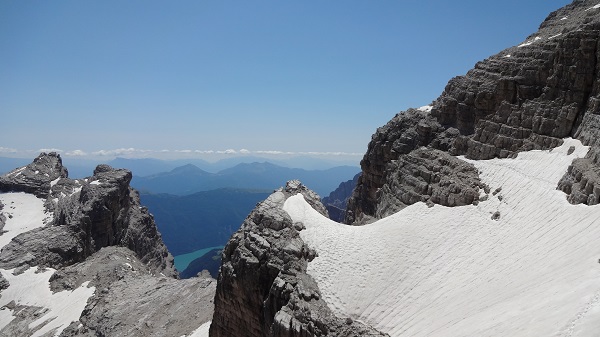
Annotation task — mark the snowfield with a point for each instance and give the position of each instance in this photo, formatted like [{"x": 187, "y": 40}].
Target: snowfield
[
  {"x": 33, "y": 289},
  {"x": 445, "y": 271},
  {"x": 25, "y": 212}
]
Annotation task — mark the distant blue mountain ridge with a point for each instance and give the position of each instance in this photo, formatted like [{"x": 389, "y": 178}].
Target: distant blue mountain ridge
[{"x": 190, "y": 179}]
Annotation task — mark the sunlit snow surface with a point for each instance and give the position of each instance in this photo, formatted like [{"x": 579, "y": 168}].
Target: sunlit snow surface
[
  {"x": 445, "y": 271},
  {"x": 26, "y": 213},
  {"x": 202, "y": 331},
  {"x": 30, "y": 288}
]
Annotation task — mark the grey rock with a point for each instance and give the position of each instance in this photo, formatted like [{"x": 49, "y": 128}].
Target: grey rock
[
  {"x": 36, "y": 177},
  {"x": 2, "y": 218},
  {"x": 581, "y": 183},
  {"x": 4, "y": 284},
  {"x": 53, "y": 246},
  {"x": 131, "y": 300},
  {"x": 523, "y": 98},
  {"x": 99, "y": 211},
  {"x": 100, "y": 233},
  {"x": 24, "y": 315},
  {"x": 263, "y": 288},
  {"x": 428, "y": 175}
]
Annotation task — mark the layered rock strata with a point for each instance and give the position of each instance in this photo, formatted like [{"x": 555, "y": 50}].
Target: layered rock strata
[
  {"x": 99, "y": 211},
  {"x": 526, "y": 97},
  {"x": 98, "y": 240},
  {"x": 35, "y": 178},
  {"x": 263, "y": 288}
]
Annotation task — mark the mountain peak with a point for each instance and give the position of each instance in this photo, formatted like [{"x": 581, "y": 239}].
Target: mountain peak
[{"x": 37, "y": 177}]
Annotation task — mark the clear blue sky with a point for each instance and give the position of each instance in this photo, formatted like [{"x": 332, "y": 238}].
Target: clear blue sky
[{"x": 292, "y": 76}]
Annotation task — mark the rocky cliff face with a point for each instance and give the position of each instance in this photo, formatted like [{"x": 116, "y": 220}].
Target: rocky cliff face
[
  {"x": 95, "y": 237},
  {"x": 526, "y": 97},
  {"x": 89, "y": 214},
  {"x": 337, "y": 201},
  {"x": 263, "y": 288}
]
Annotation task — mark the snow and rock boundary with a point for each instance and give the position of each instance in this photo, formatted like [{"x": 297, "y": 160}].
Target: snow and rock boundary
[
  {"x": 263, "y": 276},
  {"x": 455, "y": 271}
]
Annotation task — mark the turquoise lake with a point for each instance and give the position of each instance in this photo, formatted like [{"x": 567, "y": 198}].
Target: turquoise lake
[{"x": 183, "y": 260}]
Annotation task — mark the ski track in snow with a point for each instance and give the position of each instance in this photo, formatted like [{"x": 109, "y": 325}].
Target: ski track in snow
[
  {"x": 445, "y": 271},
  {"x": 32, "y": 288}
]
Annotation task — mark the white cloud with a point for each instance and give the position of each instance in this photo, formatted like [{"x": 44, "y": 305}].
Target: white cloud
[
  {"x": 228, "y": 151},
  {"x": 244, "y": 151},
  {"x": 272, "y": 152},
  {"x": 76, "y": 153},
  {"x": 49, "y": 150},
  {"x": 117, "y": 152},
  {"x": 7, "y": 150}
]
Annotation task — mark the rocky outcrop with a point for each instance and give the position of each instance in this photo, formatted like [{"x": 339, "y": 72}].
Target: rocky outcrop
[
  {"x": 131, "y": 301},
  {"x": 430, "y": 176},
  {"x": 98, "y": 236},
  {"x": 581, "y": 183},
  {"x": 263, "y": 288},
  {"x": 337, "y": 201},
  {"x": 35, "y": 178},
  {"x": 2, "y": 217},
  {"x": 89, "y": 214},
  {"x": 526, "y": 97}
]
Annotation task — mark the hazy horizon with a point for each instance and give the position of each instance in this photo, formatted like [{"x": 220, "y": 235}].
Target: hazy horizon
[{"x": 211, "y": 80}]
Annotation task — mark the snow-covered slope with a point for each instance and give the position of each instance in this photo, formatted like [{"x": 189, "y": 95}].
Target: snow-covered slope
[
  {"x": 524, "y": 262},
  {"x": 31, "y": 288}
]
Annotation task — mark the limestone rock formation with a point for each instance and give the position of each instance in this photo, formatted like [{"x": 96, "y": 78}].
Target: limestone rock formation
[
  {"x": 100, "y": 241},
  {"x": 35, "y": 178},
  {"x": 127, "y": 291},
  {"x": 526, "y": 97},
  {"x": 263, "y": 288},
  {"x": 89, "y": 214}
]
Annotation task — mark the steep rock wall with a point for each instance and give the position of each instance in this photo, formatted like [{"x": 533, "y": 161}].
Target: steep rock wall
[
  {"x": 99, "y": 211},
  {"x": 526, "y": 97},
  {"x": 263, "y": 288}
]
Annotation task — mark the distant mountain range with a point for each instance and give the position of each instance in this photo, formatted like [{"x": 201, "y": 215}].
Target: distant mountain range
[
  {"x": 189, "y": 178},
  {"x": 80, "y": 168}
]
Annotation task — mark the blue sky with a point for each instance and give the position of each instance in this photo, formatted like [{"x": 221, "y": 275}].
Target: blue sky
[{"x": 134, "y": 78}]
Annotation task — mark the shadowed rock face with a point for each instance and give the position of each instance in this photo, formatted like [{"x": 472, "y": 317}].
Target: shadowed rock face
[
  {"x": 99, "y": 211},
  {"x": 263, "y": 288},
  {"x": 337, "y": 201},
  {"x": 525, "y": 97}
]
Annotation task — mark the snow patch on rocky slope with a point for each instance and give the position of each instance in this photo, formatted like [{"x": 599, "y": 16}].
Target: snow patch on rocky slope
[
  {"x": 524, "y": 262},
  {"x": 25, "y": 212}
]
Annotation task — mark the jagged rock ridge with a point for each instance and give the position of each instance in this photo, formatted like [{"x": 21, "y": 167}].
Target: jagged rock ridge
[
  {"x": 526, "y": 97},
  {"x": 91, "y": 213},
  {"x": 96, "y": 237},
  {"x": 263, "y": 288}
]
